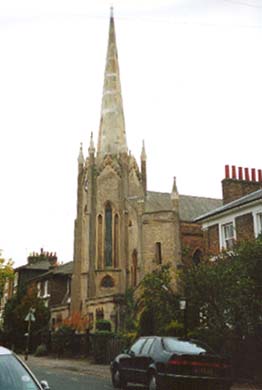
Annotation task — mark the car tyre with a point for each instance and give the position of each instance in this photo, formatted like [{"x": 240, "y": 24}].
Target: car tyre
[
  {"x": 152, "y": 383},
  {"x": 117, "y": 381}
]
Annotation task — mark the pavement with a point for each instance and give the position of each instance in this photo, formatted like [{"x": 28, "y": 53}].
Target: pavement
[{"x": 88, "y": 367}]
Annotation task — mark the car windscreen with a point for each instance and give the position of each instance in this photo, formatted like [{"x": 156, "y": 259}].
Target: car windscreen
[
  {"x": 185, "y": 347},
  {"x": 14, "y": 376}
]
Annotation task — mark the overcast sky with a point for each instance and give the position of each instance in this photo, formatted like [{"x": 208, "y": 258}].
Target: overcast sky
[{"x": 191, "y": 84}]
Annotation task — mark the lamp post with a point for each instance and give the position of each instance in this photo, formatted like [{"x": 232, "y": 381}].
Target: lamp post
[
  {"x": 29, "y": 318},
  {"x": 183, "y": 307}
]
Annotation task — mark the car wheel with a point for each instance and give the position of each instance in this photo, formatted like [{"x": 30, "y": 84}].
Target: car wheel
[
  {"x": 152, "y": 383},
  {"x": 117, "y": 381}
]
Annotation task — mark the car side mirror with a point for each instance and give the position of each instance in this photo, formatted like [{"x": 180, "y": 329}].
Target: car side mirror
[
  {"x": 44, "y": 385},
  {"x": 131, "y": 353}
]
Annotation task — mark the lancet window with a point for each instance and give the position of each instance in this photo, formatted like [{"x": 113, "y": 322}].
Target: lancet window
[
  {"x": 108, "y": 238},
  {"x": 134, "y": 269}
]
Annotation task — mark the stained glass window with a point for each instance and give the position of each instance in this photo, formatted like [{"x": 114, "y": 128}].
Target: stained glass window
[{"x": 108, "y": 236}]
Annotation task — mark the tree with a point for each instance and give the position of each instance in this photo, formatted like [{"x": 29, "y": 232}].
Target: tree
[
  {"x": 157, "y": 304},
  {"x": 15, "y": 312},
  {"x": 227, "y": 292},
  {"x": 6, "y": 272}
]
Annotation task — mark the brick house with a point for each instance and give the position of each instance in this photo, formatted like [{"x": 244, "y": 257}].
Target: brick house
[
  {"x": 37, "y": 264},
  {"x": 240, "y": 217},
  {"x": 54, "y": 287}
]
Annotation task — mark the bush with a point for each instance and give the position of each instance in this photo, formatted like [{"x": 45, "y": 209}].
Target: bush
[
  {"x": 41, "y": 350},
  {"x": 103, "y": 326},
  {"x": 174, "y": 328},
  {"x": 62, "y": 340},
  {"x": 100, "y": 342}
]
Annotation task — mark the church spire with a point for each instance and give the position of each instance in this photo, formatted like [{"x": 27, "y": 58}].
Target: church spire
[{"x": 112, "y": 136}]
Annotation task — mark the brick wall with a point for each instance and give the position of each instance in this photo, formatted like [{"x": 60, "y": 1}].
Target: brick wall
[
  {"x": 239, "y": 182},
  {"x": 58, "y": 288},
  {"x": 234, "y": 189},
  {"x": 245, "y": 227},
  {"x": 211, "y": 240},
  {"x": 191, "y": 240}
]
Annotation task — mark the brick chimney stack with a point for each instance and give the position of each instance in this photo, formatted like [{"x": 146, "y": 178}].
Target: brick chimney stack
[{"x": 239, "y": 182}]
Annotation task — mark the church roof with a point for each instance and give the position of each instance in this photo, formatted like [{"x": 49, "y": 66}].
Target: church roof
[{"x": 190, "y": 207}]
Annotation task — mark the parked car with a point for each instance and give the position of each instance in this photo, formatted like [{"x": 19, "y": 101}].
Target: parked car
[
  {"x": 15, "y": 375},
  {"x": 171, "y": 363}
]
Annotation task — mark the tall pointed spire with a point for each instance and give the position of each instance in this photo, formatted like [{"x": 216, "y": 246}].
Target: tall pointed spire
[{"x": 112, "y": 136}]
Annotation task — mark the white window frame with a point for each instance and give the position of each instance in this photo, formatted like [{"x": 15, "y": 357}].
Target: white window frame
[
  {"x": 38, "y": 287},
  {"x": 46, "y": 289},
  {"x": 258, "y": 223},
  {"x": 223, "y": 239}
]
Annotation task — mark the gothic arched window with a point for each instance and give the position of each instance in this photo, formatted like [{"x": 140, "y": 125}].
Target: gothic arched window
[
  {"x": 99, "y": 241},
  {"x": 108, "y": 235},
  {"x": 116, "y": 241},
  {"x": 134, "y": 269}
]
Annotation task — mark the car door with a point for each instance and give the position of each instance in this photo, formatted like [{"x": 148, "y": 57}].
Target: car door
[
  {"x": 142, "y": 361},
  {"x": 128, "y": 363}
]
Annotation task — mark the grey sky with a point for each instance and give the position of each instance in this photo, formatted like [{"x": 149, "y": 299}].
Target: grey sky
[{"x": 191, "y": 83}]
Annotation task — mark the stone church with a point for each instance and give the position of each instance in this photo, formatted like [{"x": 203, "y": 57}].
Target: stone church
[{"x": 122, "y": 230}]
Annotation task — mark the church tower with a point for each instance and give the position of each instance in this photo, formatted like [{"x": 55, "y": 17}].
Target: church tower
[
  {"x": 109, "y": 180},
  {"x": 123, "y": 231}
]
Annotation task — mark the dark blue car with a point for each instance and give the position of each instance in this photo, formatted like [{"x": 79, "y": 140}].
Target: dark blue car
[{"x": 168, "y": 363}]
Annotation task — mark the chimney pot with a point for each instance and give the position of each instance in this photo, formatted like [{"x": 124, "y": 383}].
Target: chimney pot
[
  {"x": 234, "y": 175},
  {"x": 253, "y": 174},
  {"x": 247, "y": 174},
  {"x": 240, "y": 173},
  {"x": 227, "y": 175},
  {"x": 259, "y": 173}
]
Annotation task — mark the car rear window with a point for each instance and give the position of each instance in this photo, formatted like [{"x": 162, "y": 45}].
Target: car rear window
[
  {"x": 14, "y": 376},
  {"x": 185, "y": 347}
]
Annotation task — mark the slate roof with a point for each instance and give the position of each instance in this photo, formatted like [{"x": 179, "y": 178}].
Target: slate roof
[
  {"x": 38, "y": 265},
  {"x": 244, "y": 200},
  {"x": 190, "y": 207},
  {"x": 63, "y": 269}
]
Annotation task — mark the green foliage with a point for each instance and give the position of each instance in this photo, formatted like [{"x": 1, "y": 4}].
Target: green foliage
[
  {"x": 103, "y": 326},
  {"x": 62, "y": 340},
  {"x": 228, "y": 291},
  {"x": 128, "y": 313},
  {"x": 6, "y": 272},
  {"x": 174, "y": 328},
  {"x": 99, "y": 341},
  {"x": 157, "y": 304},
  {"x": 15, "y": 312}
]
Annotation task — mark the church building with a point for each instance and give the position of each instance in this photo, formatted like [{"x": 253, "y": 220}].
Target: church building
[{"x": 122, "y": 230}]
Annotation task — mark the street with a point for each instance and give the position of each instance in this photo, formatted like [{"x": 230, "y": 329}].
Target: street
[
  {"x": 68, "y": 380},
  {"x": 73, "y": 374},
  {"x": 64, "y": 379}
]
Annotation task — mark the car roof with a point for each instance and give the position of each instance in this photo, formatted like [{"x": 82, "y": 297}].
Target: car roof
[{"x": 5, "y": 351}]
